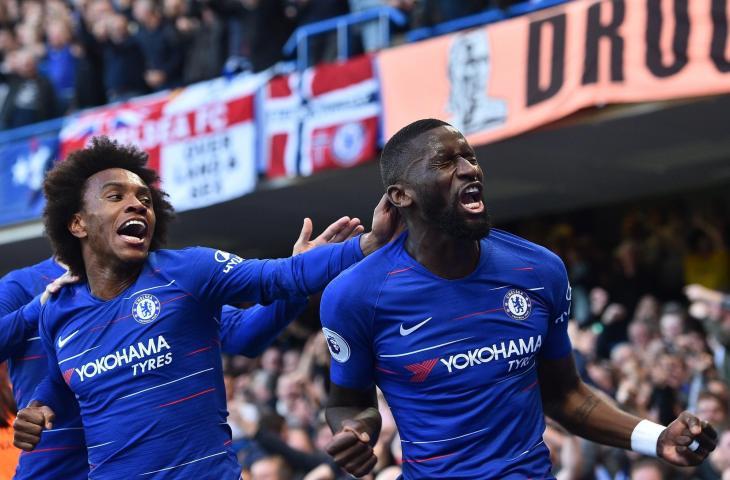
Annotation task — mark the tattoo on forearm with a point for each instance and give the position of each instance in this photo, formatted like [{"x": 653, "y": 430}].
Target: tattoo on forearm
[{"x": 585, "y": 409}]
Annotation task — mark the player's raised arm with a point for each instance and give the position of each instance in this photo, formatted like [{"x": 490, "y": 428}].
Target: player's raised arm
[
  {"x": 343, "y": 229},
  {"x": 686, "y": 441},
  {"x": 250, "y": 331},
  {"x": 225, "y": 278},
  {"x": 15, "y": 326},
  {"x": 590, "y": 414},
  {"x": 18, "y": 317},
  {"x": 52, "y": 394}
]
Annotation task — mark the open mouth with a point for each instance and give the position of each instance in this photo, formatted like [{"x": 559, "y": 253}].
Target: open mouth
[
  {"x": 133, "y": 231},
  {"x": 471, "y": 198}
]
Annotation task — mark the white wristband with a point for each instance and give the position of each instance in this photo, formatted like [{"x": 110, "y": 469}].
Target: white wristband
[{"x": 645, "y": 437}]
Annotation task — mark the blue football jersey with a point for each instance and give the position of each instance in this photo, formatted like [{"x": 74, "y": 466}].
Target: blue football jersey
[
  {"x": 250, "y": 331},
  {"x": 61, "y": 452},
  {"x": 145, "y": 367},
  {"x": 455, "y": 359}
]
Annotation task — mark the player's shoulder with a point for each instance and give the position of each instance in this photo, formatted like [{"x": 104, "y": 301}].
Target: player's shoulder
[
  {"x": 61, "y": 306},
  {"x": 168, "y": 254},
  {"x": 47, "y": 269},
  {"x": 185, "y": 257},
  {"x": 363, "y": 279},
  {"x": 530, "y": 252},
  {"x": 373, "y": 268}
]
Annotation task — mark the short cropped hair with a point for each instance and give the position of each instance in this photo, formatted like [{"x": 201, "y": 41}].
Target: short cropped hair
[
  {"x": 65, "y": 185},
  {"x": 707, "y": 395},
  {"x": 397, "y": 153}
]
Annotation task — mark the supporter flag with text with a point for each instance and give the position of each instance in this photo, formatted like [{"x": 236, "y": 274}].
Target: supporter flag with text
[{"x": 201, "y": 138}]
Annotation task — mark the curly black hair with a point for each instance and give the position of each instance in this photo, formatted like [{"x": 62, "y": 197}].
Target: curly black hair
[{"x": 64, "y": 188}]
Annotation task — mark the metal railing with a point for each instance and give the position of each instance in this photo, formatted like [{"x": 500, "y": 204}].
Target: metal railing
[{"x": 384, "y": 16}]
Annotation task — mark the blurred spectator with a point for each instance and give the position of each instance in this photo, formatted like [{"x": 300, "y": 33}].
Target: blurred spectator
[
  {"x": 706, "y": 259},
  {"x": 8, "y": 42},
  {"x": 202, "y": 38},
  {"x": 648, "y": 469},
  {"x": 270, "y": 29},
  {"x": 717, "y": 465},
  {"x": 370, "y": 32},
  {"x": 322, "y": 47},
  {"x": 123, "y": 59},
  {"x": 238, "y": 17},
  {"x": 713, "y": 307},
  {"x": 270, "y": 467},
  {"x": 390, "y": 473},
  {"x": 60, "y": 62},
  {"x": 160, "y": 45},
  {"x": 714, "y": 409},
  {"x": 91, "y": 24},
  {"x": 433, "y": 12},
  {"x": 30, "y": 96}
]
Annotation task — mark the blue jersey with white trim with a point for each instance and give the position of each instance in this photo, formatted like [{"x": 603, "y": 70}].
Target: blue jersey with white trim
[
  {"x": 61, "y": 452},
  {"x": 145, "y": 366},
  {"x": 455, "y": 359}
]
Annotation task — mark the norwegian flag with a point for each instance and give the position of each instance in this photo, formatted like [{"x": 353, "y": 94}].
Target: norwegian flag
[
  {"x": 340, "y": 129},
  {"x": 326, "y": 118},
  {"x": 282, "y": 109}
]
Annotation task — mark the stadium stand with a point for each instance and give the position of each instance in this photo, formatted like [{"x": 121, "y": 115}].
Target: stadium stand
[{"x": 639, "y": 190}]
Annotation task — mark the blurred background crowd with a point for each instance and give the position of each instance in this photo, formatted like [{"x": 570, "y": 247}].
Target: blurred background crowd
[{"x": 58, "y": 56}]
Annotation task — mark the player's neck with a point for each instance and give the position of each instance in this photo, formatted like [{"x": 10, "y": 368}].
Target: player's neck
[
  {"x": 442, "y": 254},
  {"x": 108, "y": 279}
]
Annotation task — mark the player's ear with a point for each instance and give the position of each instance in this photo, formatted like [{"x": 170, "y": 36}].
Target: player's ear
[
  {"x": 77, "y": 226},
  {"x": 399, "y": 195}
]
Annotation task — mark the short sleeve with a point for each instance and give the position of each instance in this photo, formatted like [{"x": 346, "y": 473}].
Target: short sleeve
[
  {"x": 12, "y": 294},
  {"x": 347, "y": 327},
  {"x": 557, "y": 343},
  {"x": 250, "y": 331}
]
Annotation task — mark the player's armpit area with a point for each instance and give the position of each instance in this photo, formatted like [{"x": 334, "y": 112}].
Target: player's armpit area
[
  {"x": 352, "y": 404},
  {"x": 581, "y": 409}
]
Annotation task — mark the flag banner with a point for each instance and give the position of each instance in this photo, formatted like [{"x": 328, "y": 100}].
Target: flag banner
[
  {"x": 325, "y": 118},
  {"x": 509, "y": 77},
  {"x": 23, "y": 164},
  {"x": 201, "y": 138}
]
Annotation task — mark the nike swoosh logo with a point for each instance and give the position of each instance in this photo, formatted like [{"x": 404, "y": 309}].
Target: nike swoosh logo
[
  {"x": 408, "y": 331},
  {"x": 64, "y": 341}
]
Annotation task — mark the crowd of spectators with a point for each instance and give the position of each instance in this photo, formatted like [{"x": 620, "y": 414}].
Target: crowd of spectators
[
  {"x": 650, "y": 330},
  {"x": 57, "y": 56}
]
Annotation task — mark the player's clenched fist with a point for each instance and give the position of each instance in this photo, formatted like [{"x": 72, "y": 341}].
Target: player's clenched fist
[
  {"x": 350, "y": 448},
  {"x": 29, "y": 424},
  {"x": 687, "y": 440}
]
